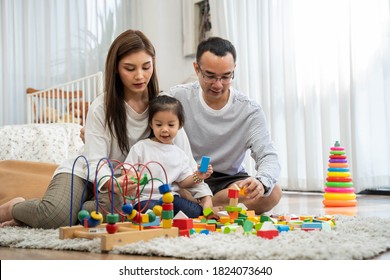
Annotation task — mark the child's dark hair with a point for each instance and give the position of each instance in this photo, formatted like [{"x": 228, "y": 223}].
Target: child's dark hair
[{"x": 166, "y": 103}]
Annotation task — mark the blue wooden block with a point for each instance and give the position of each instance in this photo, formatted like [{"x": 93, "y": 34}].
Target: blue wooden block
[{"x": 204, "y": 164}]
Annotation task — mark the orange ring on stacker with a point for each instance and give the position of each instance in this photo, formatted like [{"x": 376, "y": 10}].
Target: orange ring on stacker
[
  {"x": 339, "y": 190},
  {"x": 338, "y": 165},
  {"x": 339, "y": 203},
  {"x": 340, "y": 196}
]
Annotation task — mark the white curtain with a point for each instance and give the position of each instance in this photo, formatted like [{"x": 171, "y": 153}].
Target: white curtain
[
  {"x": 321, "y": 71},
  {"x": 48, "y": 42}
]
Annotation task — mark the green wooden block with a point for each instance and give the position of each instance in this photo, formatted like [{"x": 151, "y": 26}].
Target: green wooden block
[
  {"x": 208, "y": 211},
  {"x": 248, "y": 226}
]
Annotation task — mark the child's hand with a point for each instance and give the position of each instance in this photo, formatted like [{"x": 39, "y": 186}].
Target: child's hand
[
  {"x": 207, "y": 174},
  {"x": 128, "y": 184}
]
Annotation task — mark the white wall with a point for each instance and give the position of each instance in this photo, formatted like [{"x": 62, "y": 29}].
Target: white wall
[{"x": 161, "y": 21}]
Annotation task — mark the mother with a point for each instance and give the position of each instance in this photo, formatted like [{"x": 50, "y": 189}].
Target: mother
[{"x": 116, "y": 120}]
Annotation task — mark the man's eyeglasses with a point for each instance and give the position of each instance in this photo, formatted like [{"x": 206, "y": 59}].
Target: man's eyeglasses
[{"x": 211, "y": 79}]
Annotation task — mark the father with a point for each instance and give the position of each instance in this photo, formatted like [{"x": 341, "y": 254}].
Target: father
[{"x": 222, "y": 123}]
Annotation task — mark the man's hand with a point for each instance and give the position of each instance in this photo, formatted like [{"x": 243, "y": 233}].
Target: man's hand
[{"x": 253, "y": 187}]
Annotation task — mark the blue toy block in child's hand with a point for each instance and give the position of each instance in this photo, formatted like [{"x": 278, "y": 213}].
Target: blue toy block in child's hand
[{"x": 204, "y": 164}]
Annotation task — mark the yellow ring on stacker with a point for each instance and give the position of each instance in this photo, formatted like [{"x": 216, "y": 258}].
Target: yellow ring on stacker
[
  {"x": 339, "y": 174},
  {"x": 340, "y": 196}
]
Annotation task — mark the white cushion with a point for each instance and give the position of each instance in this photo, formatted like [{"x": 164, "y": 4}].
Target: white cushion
[{"x": 51, "y": 143}]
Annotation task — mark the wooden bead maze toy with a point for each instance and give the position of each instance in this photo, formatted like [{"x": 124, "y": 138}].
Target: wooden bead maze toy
[{"x": 135, "y": 225}]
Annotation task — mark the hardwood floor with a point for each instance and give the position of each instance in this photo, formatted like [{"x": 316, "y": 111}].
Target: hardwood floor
[{"x": 369, "y": 205}]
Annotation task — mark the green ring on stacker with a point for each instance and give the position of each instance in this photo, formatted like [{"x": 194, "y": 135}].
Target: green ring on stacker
[
  {"x": 339, "y": 184},
  {"x": 337, "y": 152}
]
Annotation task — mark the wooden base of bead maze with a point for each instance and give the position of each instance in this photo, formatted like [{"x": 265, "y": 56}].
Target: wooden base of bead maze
[{"x": 127, "y": 233}]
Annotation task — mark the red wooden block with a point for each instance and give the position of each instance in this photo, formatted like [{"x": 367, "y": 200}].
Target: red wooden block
[
  {"x": 232, "y": 193},
  {"x": 268, "y": 234},
  {"x": 183, "y": 223},
  {"x": 167, "y": 206}
]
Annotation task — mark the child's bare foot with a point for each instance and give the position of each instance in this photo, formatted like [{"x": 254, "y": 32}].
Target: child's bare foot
[{"x": 6, "y": 210}]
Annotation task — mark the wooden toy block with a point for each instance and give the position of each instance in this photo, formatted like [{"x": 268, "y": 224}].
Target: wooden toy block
[
  {"x": 229, "y": 229},
  {"x": 233, "y": 209},
  {"x": 180, "y": 215},
  {"x": 199, "y": 225},
  {"x": 224, "y": 219},
  {"x": 211, "y": 227},
  {"x": 250, "y": 213},
  {"x": 233, "y": 193},
  {"x": 310, "y": 225},
  {"x": 306, "y": 218},
  {"x": 264, "y": 218},
  {"x": 233, "y": 201},
  {"x": 167, "y": 214},
  {"x": 184, "y": 232},
  {"x": 233, "y": 215},
  {"x": 156, "y": 222},
  {"x": 123, "y": 238},
  {"x": 167, "y": 223},
  {"x": 268, "y": 234},
  {"x": 248, "y": 225},
  {"x": 204, "y": 164},
  {"x": 282, "y": 228},
  {"x": 208, "y": 212},
  {"x": 145, "y": 218},
  {"x": 254, "y": 219},
  {"x": 167, "y": 206},
  {"x": 127, "y": 233},
  {"x": 183, "y": 223},
  {"x": 212, "y": 222},
  {"x": 243, "y": 192}
]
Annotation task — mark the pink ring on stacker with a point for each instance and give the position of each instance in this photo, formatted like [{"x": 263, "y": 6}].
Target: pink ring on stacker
[{"x": 339, "y": 190}]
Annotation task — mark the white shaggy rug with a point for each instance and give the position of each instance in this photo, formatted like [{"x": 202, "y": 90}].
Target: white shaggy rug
[{"x": 353, "y": 238}]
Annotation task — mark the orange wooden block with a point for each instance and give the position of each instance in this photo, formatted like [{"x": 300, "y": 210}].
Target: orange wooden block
[
  {"x": 233, "y": 215},
  {"x": 199, "y": 225},
  {"x": 224, "y": 219}
]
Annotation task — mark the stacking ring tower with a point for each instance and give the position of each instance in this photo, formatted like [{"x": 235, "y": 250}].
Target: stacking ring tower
[{"x": 339, "y": 191}]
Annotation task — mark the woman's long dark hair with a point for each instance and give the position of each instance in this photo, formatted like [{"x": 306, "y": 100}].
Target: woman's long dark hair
[{"x": 130, "y": 41}]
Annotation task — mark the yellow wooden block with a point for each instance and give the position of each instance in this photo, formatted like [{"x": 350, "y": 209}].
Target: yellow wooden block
[
  {"x": 253, "y": 219},
  {"x": 145, "y": 218},
  {"x": 167, "y": 223},
  {"x": 224, "y": 219},
  {"x": 242, "y": 192}
]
